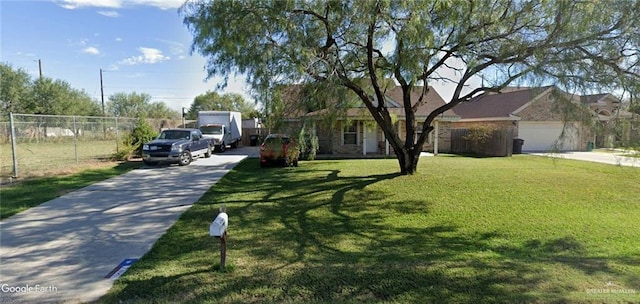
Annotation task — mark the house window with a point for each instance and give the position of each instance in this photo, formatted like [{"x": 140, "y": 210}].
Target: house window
[{"x": 350, "y": 134}]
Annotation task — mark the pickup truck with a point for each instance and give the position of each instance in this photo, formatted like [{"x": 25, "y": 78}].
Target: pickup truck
[{"x": 179, "y": 146}]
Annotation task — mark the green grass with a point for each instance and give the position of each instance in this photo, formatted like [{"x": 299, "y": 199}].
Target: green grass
[
  {"x": 462, "y": 230},
  {"x": 32, "y": 192},
  {"x": 50, "y": 158}
]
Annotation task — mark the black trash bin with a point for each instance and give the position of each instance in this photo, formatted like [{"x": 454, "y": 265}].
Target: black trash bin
[
  {"x": 253, "y": 139},
  {"x": 517, "y": 145}
]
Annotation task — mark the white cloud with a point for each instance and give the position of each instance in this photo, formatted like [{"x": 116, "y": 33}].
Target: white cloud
[
  {"x": 26, "y": 54},
  {"x": 176, "y": 48},
  {"x": 112, "y": 14},
  {"x": 149, "y": 56},
  {"x": 91, "y": 50},
  {"x": 118, "y": 39},
  {"x": 161, "y": 4},
  {"x": 73, "y": 4},
  {"x": 112, "y": 67}
]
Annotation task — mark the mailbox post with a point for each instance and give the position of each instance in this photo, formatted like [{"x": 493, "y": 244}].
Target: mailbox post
[{"x": 218, "y": 229}]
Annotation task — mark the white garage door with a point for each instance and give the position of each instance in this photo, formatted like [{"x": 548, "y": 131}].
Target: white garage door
[{"x": 545, "y": 136}]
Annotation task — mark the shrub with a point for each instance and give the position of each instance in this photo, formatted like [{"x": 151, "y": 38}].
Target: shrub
[
  {"x": 479, "y": 134},
  {"x": 308, "y": 145},
  {"x": 131, "y": 144},
  {"x": 293, "y": 154}
]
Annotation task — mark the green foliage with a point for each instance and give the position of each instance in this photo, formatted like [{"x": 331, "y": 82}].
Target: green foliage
[
  {"x": 307, "y": 145},
  {"x": 160, "y": 110},
  {"x": 359, "y": 45},
  {"x": 478, "y": 135},
  {"x": 132, "y": 142},
  {"x": 635, "y": 107},
  {"x": 293, "y": 154},
  {"x": 137, "y": 105},
  {"x": 19, "y": 93},
  {"x": 15, "y": 86},
  {"x": 212, "y": 101},
  {"x": 56, "y": 97},
  {"x": 141, "y": 134},
  {"x": 128, "y": 105}
]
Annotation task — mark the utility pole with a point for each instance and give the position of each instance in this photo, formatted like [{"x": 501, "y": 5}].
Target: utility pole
[
  {"x": 40, "y": 68},
  {"x": 184, "y": 113},
  {"x": 102, "y": 93}
]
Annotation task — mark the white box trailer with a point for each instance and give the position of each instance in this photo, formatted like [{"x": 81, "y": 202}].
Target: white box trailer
[{"x": 223, "y": 126}]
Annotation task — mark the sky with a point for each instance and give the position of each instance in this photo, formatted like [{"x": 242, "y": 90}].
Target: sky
[{"x": 141, "y": 46}]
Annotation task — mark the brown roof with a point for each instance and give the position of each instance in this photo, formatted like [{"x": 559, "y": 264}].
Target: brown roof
[
  {"x": 497, "y": 105},
  {"x": 592, "y": 98},
  {"x": 431, "y": 101}
]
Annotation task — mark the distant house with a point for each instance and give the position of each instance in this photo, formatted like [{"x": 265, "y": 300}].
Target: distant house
[
  {"x": 608, "y": 112},
  {"x": 545, "y": 117},
  {"x": 356, "y": 132}
]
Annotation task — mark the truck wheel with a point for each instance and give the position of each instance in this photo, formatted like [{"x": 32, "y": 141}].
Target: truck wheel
[
  {"x": 234, "y": 145},
  {"x": 185, "y": 158},
  {"x": 208, "y": 153}
]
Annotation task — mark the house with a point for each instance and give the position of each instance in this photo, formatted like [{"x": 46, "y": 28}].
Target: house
[
  {"x": 355, "y": 132},
  {"x": 545, "y": 117},
  {"x": 608, "y": 113}
]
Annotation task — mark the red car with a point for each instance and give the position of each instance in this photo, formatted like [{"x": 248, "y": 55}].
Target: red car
[{"x": 278, "y": 148}]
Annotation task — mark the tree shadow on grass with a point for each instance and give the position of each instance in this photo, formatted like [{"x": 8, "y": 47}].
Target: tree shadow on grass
[{"x": 326, "y": 240}]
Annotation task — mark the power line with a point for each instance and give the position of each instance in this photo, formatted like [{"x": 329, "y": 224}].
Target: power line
[{"x": 152, "y": 72}]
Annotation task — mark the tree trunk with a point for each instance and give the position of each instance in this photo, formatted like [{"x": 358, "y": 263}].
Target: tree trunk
[{"x": 408, "y": 161}]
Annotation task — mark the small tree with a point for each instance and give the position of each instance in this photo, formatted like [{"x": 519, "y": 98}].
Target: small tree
[
  {"x": 132, "y": 143},
  {"x": 307, "y": 144}
]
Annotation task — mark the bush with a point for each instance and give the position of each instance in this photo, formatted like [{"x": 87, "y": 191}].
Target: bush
[
  {"x": 479, "y": 135},
  {"x": 293, "y": 154},
  {"x": 131, "y": 144},
  {"x": 308, "y": 145}
]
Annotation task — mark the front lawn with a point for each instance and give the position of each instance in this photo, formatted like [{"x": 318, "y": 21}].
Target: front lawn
[{"x": 462, "y": 230}]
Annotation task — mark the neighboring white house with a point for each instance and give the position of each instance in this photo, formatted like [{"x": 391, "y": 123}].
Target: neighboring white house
[{"x": 534, "y": 115}]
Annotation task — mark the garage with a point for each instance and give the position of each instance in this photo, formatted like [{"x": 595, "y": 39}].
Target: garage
[{"x": 545, "y": 136}]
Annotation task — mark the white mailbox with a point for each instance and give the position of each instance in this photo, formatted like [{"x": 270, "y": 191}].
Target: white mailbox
[{"x": 219, "y": 225}]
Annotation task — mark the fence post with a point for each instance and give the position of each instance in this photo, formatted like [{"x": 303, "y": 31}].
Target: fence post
[
  {"x": 117, "y": 136},
  {"x": 75, "y": 138},
  {"x": 13, "y": 146}
]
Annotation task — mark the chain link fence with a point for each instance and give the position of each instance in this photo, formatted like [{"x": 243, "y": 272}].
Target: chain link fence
[{"x": 49, "y": 144}]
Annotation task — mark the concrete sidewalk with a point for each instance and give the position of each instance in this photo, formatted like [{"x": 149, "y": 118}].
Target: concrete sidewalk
[
  {"x": 62, "y": 250},
  {"x": 598, "y": 157}
]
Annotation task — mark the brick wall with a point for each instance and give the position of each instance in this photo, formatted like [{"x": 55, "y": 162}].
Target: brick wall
[{"x": 541, "y": 110}]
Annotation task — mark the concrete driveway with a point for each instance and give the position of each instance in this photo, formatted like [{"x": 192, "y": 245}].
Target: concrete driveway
[
  {"x": 68, "y": 249},
  {"x": 598, "y": 157}
]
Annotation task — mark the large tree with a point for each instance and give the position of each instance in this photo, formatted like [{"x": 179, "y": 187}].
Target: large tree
[
  {"x": 577, "y": 45},
  {"x": 15, "y": 87},
  {"x": 20, "y": 94},
  {"x": 138, "y": 105},
  {"x": 57, "y": 97},
  {"x": 212, "y": 101}
]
